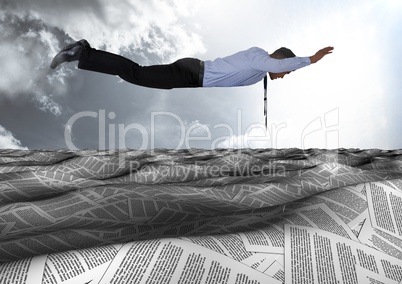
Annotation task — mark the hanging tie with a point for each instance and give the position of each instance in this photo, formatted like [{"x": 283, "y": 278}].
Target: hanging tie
[{"x": 265, "y": 100}]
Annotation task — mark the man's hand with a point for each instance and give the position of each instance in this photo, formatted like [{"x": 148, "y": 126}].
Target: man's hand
[{"x": 321, "y": 53}]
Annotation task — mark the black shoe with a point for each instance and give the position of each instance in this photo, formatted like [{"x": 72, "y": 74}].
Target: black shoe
[{"x": 69, "y": 53}]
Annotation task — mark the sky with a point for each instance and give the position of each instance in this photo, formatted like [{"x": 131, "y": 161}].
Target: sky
[{"x": 349, "y": 99}]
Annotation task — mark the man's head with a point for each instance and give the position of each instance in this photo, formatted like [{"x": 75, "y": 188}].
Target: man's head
[{"x": 281, "y": 53}]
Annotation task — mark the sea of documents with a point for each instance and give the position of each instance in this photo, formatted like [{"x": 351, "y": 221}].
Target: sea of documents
[{"x": 223, "y": 216}]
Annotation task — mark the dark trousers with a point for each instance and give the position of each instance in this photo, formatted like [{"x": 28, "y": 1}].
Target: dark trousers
[{"x": 184, "y": 73}]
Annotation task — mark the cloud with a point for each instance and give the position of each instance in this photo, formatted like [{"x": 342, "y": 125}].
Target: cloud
[
  {"x": 8, "y": 141},
  {"x": 196, "y": 128},
  {"x": 47, "y": 104},
  {"x": 255, "y": 137},
  {"x": 32, "y": 32},
  {"x": 27, "y": 45},
  {"x": 128, "y": 26}
]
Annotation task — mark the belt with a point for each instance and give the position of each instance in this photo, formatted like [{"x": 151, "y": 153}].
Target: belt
[{"x": 201, "y": 74}]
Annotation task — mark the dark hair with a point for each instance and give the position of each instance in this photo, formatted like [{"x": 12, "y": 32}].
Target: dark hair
[{"x": 283, "y": 52}]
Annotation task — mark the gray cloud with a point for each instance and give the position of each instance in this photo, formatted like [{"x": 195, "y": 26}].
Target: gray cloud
[
  {"x": 32, "y": 32},
  {"x": 8, "y": 141},
  {"x": 51, "y": 7},
  {"x": 27, "y": 44}
]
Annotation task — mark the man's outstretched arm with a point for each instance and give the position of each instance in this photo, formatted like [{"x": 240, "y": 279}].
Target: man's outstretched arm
[
  {"x": 265, "y": 62},
  {"x": 320, "y": 54}
]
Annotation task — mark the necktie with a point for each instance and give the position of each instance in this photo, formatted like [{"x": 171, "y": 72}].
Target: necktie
[{"x": 265, "y": 100}]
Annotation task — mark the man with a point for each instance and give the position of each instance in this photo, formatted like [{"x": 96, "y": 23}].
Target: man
[{"x": 240, "y": 69}]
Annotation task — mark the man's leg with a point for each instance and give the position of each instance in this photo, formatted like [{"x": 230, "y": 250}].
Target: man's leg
[{"x": 183, "y": 73}]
